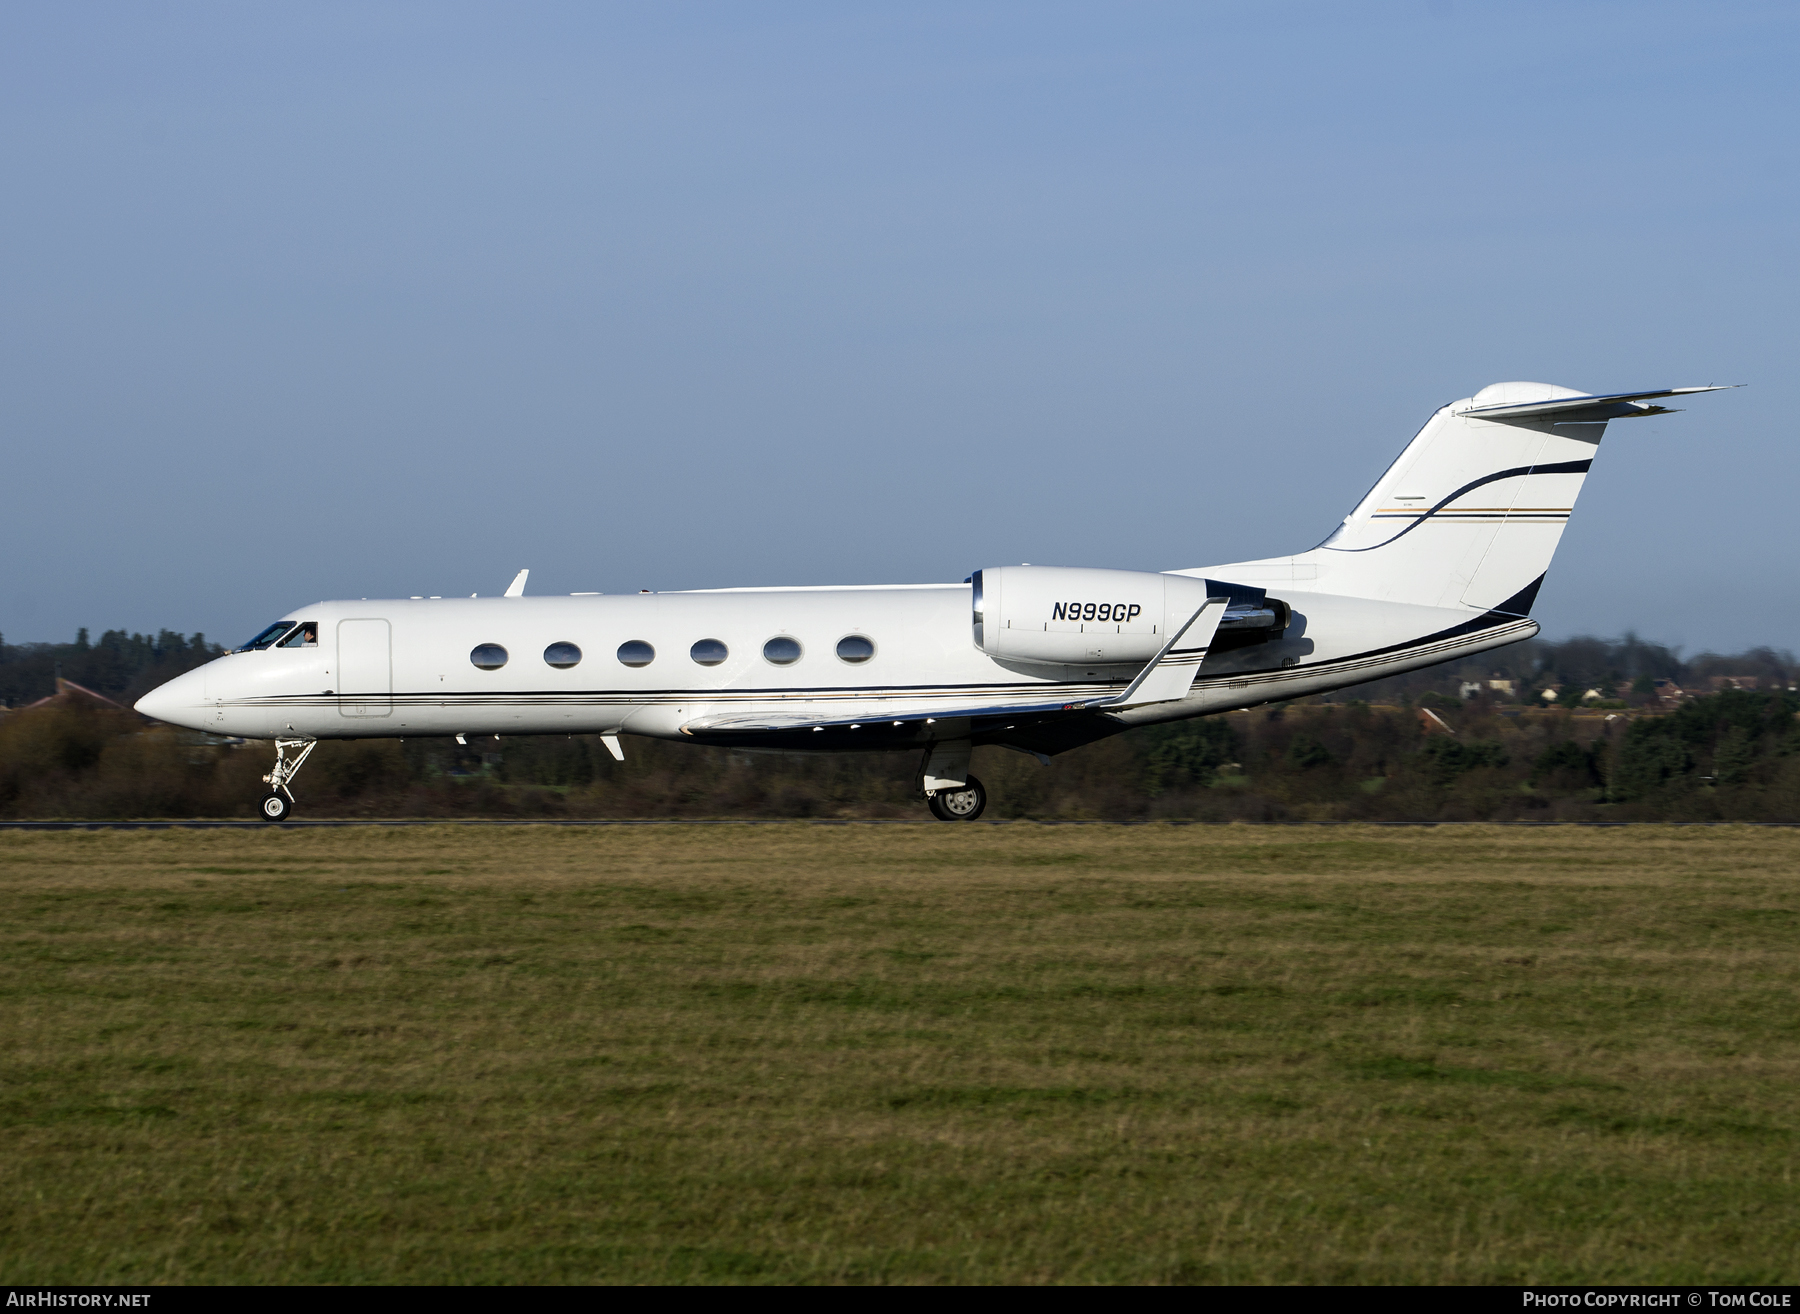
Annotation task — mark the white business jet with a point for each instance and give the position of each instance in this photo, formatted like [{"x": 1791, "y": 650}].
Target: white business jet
[{"x": 1442, "y": 559}]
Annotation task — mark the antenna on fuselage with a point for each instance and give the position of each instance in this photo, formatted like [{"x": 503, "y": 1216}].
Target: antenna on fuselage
[{"x": 517, "y": 588}]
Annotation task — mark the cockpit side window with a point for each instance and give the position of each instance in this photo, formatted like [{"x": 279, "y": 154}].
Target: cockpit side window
[
  {"x": 307, "y": 636},
  {"x": 267, "y": 637}
]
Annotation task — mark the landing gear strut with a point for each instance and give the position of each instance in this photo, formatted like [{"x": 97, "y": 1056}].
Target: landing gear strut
[{"x": 279, "y": 801}]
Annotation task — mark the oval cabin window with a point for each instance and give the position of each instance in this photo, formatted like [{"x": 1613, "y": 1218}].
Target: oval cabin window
[
  {"x": 488, "y": 656},
  {"x": 855, "y": 648},
  {"x": 636, "y": 653},
  {"x": 709, "y": 652},
  {"x": 781, "y": 651},
  {"x": 562, "y": 655}
]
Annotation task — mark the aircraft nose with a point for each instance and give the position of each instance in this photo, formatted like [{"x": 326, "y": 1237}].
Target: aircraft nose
[{"x": 178, "y": 702}]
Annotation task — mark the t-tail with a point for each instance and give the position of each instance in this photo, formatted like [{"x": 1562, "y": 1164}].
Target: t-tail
[{"x": 1470, "y": 514}]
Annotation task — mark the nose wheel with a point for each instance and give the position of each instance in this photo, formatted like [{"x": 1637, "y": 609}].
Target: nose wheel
[
  {"x": 279, "y": 801},
  {"x": 963, "y": 802}
]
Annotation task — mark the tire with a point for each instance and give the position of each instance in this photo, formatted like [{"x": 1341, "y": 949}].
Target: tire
[
  {"x": 274, "y": 807},
  {"x": 965, "y": 803}
]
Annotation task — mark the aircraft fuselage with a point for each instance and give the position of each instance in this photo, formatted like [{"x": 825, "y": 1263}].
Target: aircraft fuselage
[{"x": 402, "y": 667}]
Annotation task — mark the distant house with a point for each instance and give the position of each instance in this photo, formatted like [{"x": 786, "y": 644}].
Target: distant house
[
  {"x": 1501, "y": 686},
  {"x": 70, "y": 694},
  {"x": 1433, "y": 724},
  {"x": 1551, "y": 695},
  {"x": 1746, "y": 682},
  {"x": 1668, "y": 693},
  {"x": 1470, "y": 689}
]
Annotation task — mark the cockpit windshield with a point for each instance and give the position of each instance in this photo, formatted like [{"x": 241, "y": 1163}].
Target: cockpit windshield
[
  {"x": 306, "y": 636},
  {"x": 268, "y": 636}
]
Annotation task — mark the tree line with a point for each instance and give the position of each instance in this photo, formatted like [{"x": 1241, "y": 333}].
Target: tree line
[{"x": 121, "y": 666}]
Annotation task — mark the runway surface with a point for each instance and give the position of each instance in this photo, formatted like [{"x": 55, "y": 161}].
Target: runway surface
[{"x": 804, "y": 821}]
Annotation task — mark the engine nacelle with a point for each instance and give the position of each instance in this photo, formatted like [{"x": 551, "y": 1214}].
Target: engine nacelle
[{"x": 1071, "y": 616}]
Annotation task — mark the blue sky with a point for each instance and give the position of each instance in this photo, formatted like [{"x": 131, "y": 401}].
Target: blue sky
[{"x": 385, "y": 299}]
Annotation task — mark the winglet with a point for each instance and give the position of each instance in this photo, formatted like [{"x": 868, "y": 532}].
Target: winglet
[
  {"x": 517, "y": 588},
  {"x": 1171, "y": 675}
]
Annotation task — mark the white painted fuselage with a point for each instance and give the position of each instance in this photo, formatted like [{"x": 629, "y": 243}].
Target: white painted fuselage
[{"x": 924, "y": 659}]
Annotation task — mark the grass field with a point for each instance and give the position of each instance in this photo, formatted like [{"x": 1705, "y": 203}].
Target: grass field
[{"x": 900, "y": 1054}]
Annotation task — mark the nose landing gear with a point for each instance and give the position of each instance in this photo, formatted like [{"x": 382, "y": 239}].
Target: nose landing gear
[{"x": 279, "y": 801}]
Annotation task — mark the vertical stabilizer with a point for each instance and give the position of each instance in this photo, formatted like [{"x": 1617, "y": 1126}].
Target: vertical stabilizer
[{"x": 1470, "y": 515}]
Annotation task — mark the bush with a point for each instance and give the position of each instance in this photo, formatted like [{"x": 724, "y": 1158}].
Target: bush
[
  {"x": 1305, "y": 752},
  {"x": 1651, "y": 756},
  {"x": 1446, "y": 759},
  {"x": 1565, "y": 765},
  {"x": 1187, "y": 753}
]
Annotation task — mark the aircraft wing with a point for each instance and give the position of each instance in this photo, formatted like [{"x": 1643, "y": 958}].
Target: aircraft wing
[
  {"x": 1167, "y": 678},
  {"x": 881, "y": 718}
]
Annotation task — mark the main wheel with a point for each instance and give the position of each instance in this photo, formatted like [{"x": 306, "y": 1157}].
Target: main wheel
[
  {"x": 964, "y": 803},
  {"x": 274, "y": 807}
]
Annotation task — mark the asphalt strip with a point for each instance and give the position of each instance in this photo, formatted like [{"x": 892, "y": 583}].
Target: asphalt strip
[{"x": 807, "y": 821}]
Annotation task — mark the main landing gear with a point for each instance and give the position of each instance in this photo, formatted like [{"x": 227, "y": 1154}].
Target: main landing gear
[
  {"x": 963, "y": 802},
  {"x": 279, "y": 801},
  {"x": 944, "y": 780}
]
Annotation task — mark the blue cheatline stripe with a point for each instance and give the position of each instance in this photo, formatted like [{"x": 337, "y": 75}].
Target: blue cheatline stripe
[{"x": 1560, "y": 467}]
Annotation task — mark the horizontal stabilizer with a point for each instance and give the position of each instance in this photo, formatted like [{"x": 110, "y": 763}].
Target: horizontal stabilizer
[{"x": 1603, "y": 405}]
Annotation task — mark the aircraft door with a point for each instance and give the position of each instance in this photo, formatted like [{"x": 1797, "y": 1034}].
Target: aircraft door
[{"x": 365, "y": 668}]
